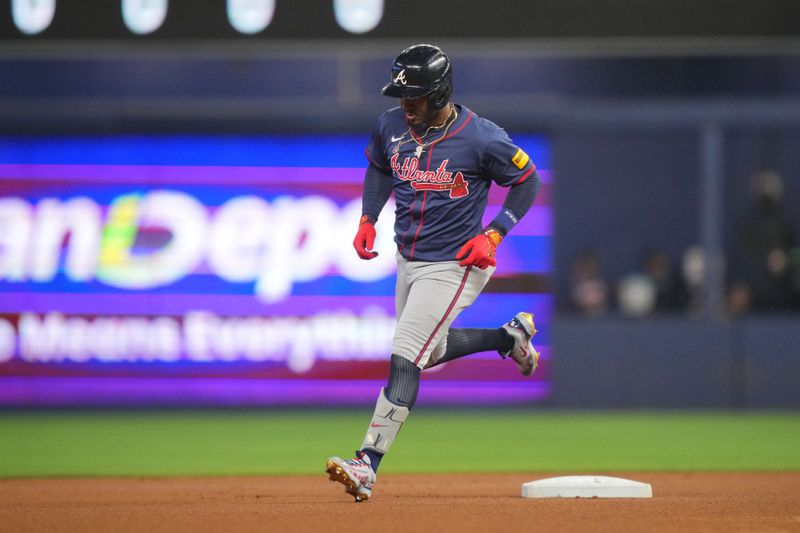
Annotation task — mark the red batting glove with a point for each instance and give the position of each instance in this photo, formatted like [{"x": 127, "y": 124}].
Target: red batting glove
[
  {"x": 365, "y": 239},
  {"x": 479, "y": 251}
]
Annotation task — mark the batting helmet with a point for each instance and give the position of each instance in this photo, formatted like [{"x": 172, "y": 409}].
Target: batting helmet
[{"x": 421, "y": 70}]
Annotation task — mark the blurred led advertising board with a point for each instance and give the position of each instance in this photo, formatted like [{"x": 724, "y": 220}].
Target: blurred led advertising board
[{"x": 220, "y": 271}]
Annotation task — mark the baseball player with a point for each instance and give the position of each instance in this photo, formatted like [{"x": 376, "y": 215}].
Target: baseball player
[{"x": 439, "y": 158}]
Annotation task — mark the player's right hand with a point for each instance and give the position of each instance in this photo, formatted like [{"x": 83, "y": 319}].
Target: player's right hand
[
  {"x": 479, "y": 251},
  {"x": 365, "y": 239}
]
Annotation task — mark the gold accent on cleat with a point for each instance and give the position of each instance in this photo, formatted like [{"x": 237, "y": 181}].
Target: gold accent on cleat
[
  {"x": 336, "y": 473},
  {"x": 529, "y": 317}
]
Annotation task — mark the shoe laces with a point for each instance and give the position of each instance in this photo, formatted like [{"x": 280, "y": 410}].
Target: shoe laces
[{"x": 359, "y": 462}]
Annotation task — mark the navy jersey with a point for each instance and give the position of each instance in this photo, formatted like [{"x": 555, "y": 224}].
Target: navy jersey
[{"x": 441, "y": 181}]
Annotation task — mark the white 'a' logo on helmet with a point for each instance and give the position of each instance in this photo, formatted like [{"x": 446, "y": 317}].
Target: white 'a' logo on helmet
[{"x": 401, "y": 77}]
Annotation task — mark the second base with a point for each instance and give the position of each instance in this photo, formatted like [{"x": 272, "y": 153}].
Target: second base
[{"x": 586, "y": 487}]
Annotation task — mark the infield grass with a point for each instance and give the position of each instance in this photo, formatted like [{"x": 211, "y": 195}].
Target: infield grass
[{"x": 134, "y": 443}]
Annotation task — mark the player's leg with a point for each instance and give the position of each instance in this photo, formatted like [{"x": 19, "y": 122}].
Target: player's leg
[
  {"x": 438, "y": 294},
  {"x": 429, "y": 297},
  {"x": 513, "y": 340},
  {"x": 398, "y": 397},
  {"x": 467, "y": 341},
  {"x": 394, "y": 403},
  {"x": 391, "y": 409}
]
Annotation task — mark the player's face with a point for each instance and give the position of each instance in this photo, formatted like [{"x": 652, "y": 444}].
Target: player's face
[{"x": 418, "y": 110}]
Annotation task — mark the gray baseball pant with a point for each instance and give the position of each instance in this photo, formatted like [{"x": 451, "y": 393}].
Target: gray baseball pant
[{"x": 429, "y": 296}]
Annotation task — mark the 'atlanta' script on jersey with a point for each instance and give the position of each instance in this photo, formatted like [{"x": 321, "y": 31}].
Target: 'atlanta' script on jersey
[
  {"x": 428, "y": 180},
  {"x": 440, "y": 199}
]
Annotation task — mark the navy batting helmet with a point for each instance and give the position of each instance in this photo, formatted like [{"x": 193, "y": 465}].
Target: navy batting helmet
[{"x": 422, "y": 70}]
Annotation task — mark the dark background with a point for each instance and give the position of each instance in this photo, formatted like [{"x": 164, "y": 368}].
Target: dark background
[{"x": 448, "y": 19}]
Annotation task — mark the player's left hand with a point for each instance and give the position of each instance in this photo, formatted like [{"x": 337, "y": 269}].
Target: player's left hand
[{"x": 479, "y": 251}]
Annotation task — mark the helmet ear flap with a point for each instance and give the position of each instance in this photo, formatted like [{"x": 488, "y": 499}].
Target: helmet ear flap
[
  {"x": 441, "y": 94},
  {"x": 439, "y": 98}
]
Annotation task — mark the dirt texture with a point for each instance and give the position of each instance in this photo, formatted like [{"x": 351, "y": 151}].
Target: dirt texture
[{"x": 696, "y": 502}]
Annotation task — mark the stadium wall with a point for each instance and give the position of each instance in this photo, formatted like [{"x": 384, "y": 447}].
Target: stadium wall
[{"x": 675, "y": 363}]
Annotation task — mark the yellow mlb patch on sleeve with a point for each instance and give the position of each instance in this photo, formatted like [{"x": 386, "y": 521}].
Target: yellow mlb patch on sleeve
[{"x": 520, "y": 159}]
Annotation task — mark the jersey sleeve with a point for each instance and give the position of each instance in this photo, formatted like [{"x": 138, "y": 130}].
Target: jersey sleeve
[
  {"x": 504, "y": 162},
  {"x": 377, "y": 178},
  {"x": 375, "y": 152}
]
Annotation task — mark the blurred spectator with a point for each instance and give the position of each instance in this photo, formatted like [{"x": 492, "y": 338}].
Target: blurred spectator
[
  {"x": 740, "y": 299},
  {"x": 636, "y": 295},
  {"x": 694, "y": 276},
  {"x": 657, "y": 288},
  {"x": 670, "y": 290},
  {"x": 588, "y": 288},
  {"x": 766, "y": 240}
]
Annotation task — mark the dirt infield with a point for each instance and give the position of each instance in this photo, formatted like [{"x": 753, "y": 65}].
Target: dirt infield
[{"x": 681, "y": 502}]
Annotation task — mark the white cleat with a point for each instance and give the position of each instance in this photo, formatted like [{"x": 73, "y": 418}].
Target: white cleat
[
  {"x": 522, "y": 329},
  {"x": 355, "y": 474}
]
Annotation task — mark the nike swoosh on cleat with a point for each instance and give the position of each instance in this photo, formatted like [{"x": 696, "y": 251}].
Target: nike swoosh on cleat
[{"x": 395, "y": 139}]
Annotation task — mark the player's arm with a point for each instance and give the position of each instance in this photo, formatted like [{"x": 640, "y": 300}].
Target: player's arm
[
  {"x": 377, "y": 190},
  {"x": 509, "y": 166},
  {"x": 480, "y": 250},
  {"x": 518, "y": 201}
]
